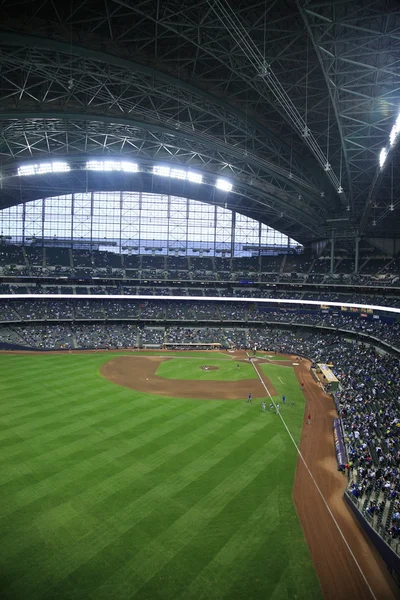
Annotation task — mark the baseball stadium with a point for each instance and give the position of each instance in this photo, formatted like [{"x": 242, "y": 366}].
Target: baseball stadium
[{"x": 199, "y": 300}]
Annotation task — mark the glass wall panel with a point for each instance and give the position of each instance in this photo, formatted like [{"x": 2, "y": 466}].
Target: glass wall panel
[
  {"x": 154, "y": 224},
  {"x": 247, "y": 236},
  {"x": 177, "y": 224},
  {"x": 82, "y": 217},
  {"x": 130, "y": 222},
  {"x": 201, "y": 225},
  {"x": 135, "y": 222},
  {"x": 34, "y": 217},
  {"x": 223, "y": 232},
  {"x": 58, "y": 217},
  {"x": 11, "y": 222}
]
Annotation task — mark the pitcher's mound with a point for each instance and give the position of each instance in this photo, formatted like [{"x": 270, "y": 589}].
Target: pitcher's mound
[{"x": 207, "y": 368}]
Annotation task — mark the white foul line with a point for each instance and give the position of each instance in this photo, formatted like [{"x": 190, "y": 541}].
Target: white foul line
[
  {"x": 280, "y": 379},
  {"x": 317, "y": 486}
]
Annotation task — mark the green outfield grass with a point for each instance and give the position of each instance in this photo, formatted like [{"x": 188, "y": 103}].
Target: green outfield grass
[
  {"x": 227, "y": 370},
  {"x": 106, "y": 493},
  {"x": 286, "y": 384}
]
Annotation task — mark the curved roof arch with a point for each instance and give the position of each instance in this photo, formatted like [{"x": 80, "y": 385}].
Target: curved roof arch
[{"x": 179, "y": 66}]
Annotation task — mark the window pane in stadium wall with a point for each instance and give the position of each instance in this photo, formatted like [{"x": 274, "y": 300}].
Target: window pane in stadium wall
[
  {"x": 106, "y": 216},
  {"x": 34, "y": 216},
  {"x": 201, "y": 225},
  {"x": 223, "y": 233},
  {"x": 177, "y": 223},
  {"x": 11, "y": 222},
  {"x": 272, "y": 237},
  {"x": 140, "y": 222},
  {"x": 58, "y": 217},
  {"x": 153, "y": 225},
  {"x": 130, "y": 221},
  {"x": 82, "y": 217},
  {"x": 247, "y": 233}
]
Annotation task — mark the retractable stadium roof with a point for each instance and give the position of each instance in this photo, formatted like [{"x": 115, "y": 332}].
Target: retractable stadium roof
[{"x": 292, "y": 101}]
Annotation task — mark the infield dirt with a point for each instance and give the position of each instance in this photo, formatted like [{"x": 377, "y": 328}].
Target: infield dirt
[{"x": 139, "y": 373}]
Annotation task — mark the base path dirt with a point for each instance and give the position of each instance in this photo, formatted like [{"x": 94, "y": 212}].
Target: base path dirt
[
  {"x": 338, "y": 573},
  {"x": 139, "y": 373}
]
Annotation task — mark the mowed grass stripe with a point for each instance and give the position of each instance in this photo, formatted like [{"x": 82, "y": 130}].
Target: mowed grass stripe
[
  {"x": 134, "y": 521},
  {"x": 98, "y": 422},
  {"x": 121, "y": 486},
  {"x": 17, "y": 540},
  {"x": 122, "y": 426},
  {"x": 100, "y": 460},
  {"x": 91, "y": 413},
  {"x": 259, "y": 516},
  {"x": 38, "y": 379},
  {"x": 90, "y": 405},
  {"x": 51, "y": 400},
  {"x": 164, "y": 547},
  {"x": 87, "y": 463},
  {"x": 73, "y": 556}
]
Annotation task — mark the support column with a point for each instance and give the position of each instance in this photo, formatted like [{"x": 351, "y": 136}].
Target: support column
[
  {"x": 233, "y": 227},
  {"x": 356, "y": 255},
  {"x": 332, "y": 253}
]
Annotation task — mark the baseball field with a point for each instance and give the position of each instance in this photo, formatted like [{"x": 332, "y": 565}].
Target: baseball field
[{"x": 109, "y": 492}]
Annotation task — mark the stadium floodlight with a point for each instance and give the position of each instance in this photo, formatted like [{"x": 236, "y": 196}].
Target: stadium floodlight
[
  {"x": 43, "y": 168},
  {"x": 224, "y": 185},
  {"x": 194, "y": 177},
  {"x": 26, "y": 170},
  {"x": 111, "y": 165},
  {"x": 94, "y": 165},
  {"x": 394, "y": 132},
  {"x": 178, "y": 174},
  {"x": 160, "y": 170},
  {"x": 129, "y": 167},
  {"x": 382, "y": 157},
  {"x": 60, "y": 167}
]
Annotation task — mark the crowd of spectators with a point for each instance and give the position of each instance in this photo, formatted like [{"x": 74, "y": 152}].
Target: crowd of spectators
[
  {"x": 369, "y": 404},
  {"x": 380, "y": 327},
  {"x": 151, "y": 336},
  {"x": 194, "y": 335},
  {"x": 75, "y": 264}
]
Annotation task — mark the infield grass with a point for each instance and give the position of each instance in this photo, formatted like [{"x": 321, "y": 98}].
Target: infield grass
[
  {"x": 106, "y": 493},
  {"x": 224, "y": 370}
]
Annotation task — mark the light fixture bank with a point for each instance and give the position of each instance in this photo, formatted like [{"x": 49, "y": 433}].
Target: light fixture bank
[
  {"x": 393, "y": 139},
  {"x": 121, "y": 166}
]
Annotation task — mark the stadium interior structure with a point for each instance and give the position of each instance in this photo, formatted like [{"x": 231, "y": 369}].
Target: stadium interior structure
[{"x": 161, "y": 160}]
